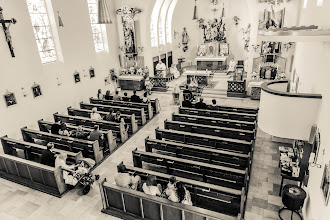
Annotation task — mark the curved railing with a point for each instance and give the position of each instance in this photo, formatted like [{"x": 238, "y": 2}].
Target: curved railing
[{"x": 285, "y": 114}]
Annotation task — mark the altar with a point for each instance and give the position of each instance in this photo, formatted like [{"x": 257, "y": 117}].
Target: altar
[
  {"x": 131, "y": 82},
  {"x": 202, "y": 77},
  {"x": 211, "y": 63}
]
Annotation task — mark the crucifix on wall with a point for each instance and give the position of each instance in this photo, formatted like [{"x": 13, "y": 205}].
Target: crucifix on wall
[{"x": 6, "y": 31}]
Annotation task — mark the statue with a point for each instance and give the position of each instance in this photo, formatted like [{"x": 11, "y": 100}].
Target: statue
[
  {"x": 185, "y": 39},
  {"x": 232, "y": 66}
]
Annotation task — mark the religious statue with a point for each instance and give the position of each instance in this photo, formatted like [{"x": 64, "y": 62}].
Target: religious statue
[
  {"x": 174, "y": 71},
  {"x": 6, "y": 31},
  {"x": 185, "y": 39},
  {"x": 161, "y": 69},
  {"x": 214, "y": 30}
]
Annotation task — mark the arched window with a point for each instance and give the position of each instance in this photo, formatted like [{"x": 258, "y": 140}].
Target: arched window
[
  {"x": 42, "y": 30},
  {"x": 162, "y": 20},
  {"x": 169, "y": 21},
  {"x": 154, "y": 23},
  {"x": 96, "y": 28}
]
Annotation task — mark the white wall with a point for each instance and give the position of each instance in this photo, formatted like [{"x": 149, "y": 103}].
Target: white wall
[
  {"x": 22, "y": 71},
  {"x": 312, "y": 65}
]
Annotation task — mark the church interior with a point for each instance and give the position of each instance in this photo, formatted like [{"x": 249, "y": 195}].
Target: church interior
[{"x": 165, "y": 109}]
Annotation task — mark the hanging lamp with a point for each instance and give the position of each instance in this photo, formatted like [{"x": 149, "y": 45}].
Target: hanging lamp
[
  {"x": 103, "y": 13},
  {"x": 195, "y": 11},
  {"x": 223, "y": 11},
  {"x": 60, "y": 22}
]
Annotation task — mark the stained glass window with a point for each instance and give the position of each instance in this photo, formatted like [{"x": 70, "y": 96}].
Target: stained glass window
[
  {"x": 154, "y": 23},
  {"x": 42, "y": 30},
  {"x": 169, "y": 21},
  {"x": 96, "y": 28}
]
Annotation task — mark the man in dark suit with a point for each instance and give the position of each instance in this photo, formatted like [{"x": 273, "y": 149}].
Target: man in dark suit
[
  {"x": 135, "y": 98},
  {"x": 214, "y": 105},
  {"x": 187, "y": 94},
  {"x": 47, "y": 156},
  {"x": 56, "y": 126},
  {"x": 201, "y": 104},
  {"x": 125, "y": 98},
  {"x": 186, "y": 103}
]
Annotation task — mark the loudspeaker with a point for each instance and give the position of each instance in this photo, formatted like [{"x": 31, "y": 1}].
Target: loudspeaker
[{"x": 312, "y": 135}]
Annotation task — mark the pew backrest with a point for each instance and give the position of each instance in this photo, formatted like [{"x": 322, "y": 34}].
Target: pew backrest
[
  {"x": 137, "y": 205},
  {"x": 37, "y": 176}
]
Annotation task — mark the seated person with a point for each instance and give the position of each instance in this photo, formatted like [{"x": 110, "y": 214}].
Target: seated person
[
  {"x": 145, "y": 98},
  {"x": 201, "y": 104},
  {"x": 64, "y": 131},
  {"x": 109, "y": 116},
  {"x": 151, "y": 187},
  {"x": 56, "y": 126},
  {"x": 214, "y": 105},
  {"x": 135, "y": 98},
  {"x": 80, "y": 133},
  {"x": 60, "y": 163},
  {"x": 95, "y": 115},
  {"x": 107, "y": 95},
  {"x": 47, "y": 156},
  {"x": 124, "y": 179},
  {"x": 95, "y": 135},
  {"x": 116, "y": 97},
  {"x": 171, "y": 190},
  {"x": 117, "y": 117},
  {"x": 125, "y": 98},
  {"x": 183, "y": 194},
  {"x": 186, "y": 103},
  {"x": 187, "y": 94}
]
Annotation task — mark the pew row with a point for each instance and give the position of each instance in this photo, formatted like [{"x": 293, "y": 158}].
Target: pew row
[
  {"x": 31, "y": 150},
  {"x": 210, "y": 130},
  {"x": 129, "y": 119},
  {"x": 117, "y": 128},
  {"x": 219, "y": 114},
  {"x": 233, "y": 145},
  {"x": 138, "y": 112},
  {"x": 109, "y": 142},
  {"x": 225, "y": 108},
  {"x": 34, "y": 175},
  {"x": 209, "y": 173},
  {"x": 88, "y": 148},
  {"x": 243, "y": 125},
  {"x": 198, "y": 153},
  {"x": 131, "y": 205},
  {"x": 147, "y": 107}
]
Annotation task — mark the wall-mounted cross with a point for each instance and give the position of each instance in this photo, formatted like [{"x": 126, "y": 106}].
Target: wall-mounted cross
[{"x": 6, "y": 31}]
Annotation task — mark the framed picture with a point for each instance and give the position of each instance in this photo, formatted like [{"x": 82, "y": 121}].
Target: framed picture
[
  {"x": 76, "y": 77},
  {"x": 268, "y": 47},
  {"x": 10, "y": 99},
  {"x": 91, "y": 72},
  {"x": 325, "y": 183},
  {"x": 271, "y": 19},
  {"x": 36, "y": 90}
]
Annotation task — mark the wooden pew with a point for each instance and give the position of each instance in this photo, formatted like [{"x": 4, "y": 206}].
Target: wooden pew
[
  {"x": 210, "y": 130},
  {"x": 34, "y": 175},
  {"x": 104, "y": 125},
  {"x": 110, "y": 143},
  {"x": 138, "y": 112},
  {"x": 243, "y": 125},
  {"x": 129, "y": 119},
  {"x": 131, "y": 205},
  {"x": 202, "y": 154},
  {"x": 204, "y": 195},
  {"x": 219, "y": 114},
  {"x": 31, "y": 149},
  {"x": 247, "y": 110},
  {"x": 147, "y": 107},
  {"x": 68, "y": 143},
  {"x": 209, "y": 173},
  {"x": 238, "y": 146}
]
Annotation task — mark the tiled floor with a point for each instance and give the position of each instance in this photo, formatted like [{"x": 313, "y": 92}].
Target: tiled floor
[{"x": 19, "y": 202}]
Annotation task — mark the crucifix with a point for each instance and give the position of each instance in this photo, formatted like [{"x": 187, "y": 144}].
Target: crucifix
[{"x": 6, "y": 31}]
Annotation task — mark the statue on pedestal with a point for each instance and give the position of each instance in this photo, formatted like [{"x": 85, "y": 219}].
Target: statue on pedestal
[{"x": 185, "y": 39}]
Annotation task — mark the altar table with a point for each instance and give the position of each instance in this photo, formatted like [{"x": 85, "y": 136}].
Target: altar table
[
  {"x": 202, "y": 77},
  {"x": 211, "y": 63},
  {"x": 131, "y": 82}
]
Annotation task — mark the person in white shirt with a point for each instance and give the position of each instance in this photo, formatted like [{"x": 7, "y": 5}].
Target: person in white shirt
[
  {"x": 151, "y": 187},
  {"x": 95, "y": 115}
]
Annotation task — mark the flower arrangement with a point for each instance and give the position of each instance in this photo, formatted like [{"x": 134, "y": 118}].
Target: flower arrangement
[{"x": 254, "y": 76}]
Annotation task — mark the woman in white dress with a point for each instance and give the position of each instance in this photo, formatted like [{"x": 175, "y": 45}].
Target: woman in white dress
[{"x": 174, "y": 71}]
